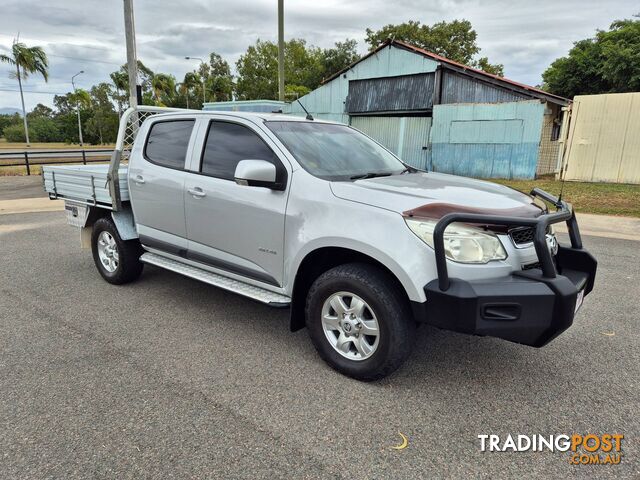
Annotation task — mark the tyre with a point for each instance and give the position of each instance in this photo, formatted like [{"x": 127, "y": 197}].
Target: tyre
[
  {"x": 359, "y": 321},
  {"x": 117, "y": 260}
]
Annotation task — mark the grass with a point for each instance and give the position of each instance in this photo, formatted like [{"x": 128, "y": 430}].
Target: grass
[
  {"x": 19, "y": 171},
  {"x": 46, "y": 145},
  {"x": 601, "y": 198}
]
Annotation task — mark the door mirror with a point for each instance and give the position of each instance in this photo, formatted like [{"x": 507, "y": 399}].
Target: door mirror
[{"x": 257, "y": 173}]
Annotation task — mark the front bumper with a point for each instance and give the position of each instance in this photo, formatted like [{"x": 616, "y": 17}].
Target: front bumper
[{"x": 531, "y": 307}]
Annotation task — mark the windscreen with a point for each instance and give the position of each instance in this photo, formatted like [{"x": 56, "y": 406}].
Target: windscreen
[{"x": 334, "y": 152}]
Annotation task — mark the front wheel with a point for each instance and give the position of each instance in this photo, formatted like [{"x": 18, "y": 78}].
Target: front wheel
[
  {"x": 117, "y": 260},
  {"x": 359, "y": 321}
]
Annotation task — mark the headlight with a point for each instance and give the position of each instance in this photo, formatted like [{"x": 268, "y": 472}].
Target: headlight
[{"x": 461, "y": 243}]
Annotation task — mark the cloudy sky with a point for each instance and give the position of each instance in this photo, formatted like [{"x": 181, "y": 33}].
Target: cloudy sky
[{"x": 88, "y": 35}]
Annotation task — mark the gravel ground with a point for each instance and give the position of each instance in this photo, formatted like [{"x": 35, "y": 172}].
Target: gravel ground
[{"x": 171, "y": 378}]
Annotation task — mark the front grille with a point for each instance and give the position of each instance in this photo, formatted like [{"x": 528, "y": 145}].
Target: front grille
[{"x": 522, "y": 235}]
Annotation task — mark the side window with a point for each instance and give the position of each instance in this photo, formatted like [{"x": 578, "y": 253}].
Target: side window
[
  {"x": 167, "y": 143},
  {"x": 229, "y": 143}
]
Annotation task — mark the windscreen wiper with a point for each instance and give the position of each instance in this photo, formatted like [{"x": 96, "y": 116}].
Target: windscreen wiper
[
  {"x": 370, "y": 175},
  {"x": 409, "y": 169}
]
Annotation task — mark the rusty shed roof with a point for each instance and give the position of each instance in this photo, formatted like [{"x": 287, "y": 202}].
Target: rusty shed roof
[{"x": 463, "y": 69}]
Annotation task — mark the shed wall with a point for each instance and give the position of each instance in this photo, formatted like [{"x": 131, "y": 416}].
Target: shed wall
[
  {"x": 407, "y": 137},
  {"x": 458, "y": 88},
  {"x": 328, "y": 100},
  {"x": 604, "y": 139},
  {"x": 389, "y": 94},
  {"x": 487, "y": 140}
]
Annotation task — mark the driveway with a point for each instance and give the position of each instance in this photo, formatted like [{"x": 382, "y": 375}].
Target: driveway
[{"x": 171, "y": 378}]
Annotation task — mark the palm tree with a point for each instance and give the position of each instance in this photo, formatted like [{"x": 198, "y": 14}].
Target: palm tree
[
  {"x": 121, "y": 82},
  {"x": 164, "y": 88},
  {"x": 27, "y": 60},
  {"x": 190, "y": 82}
]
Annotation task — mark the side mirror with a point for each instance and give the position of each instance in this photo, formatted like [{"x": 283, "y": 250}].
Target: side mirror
[{"x": 256, "y": 173}]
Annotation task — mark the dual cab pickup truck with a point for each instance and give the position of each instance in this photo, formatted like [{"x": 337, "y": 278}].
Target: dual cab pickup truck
[{"x": 318, "y": 217}]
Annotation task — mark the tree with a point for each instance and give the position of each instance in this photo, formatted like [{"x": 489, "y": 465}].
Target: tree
[
  {"x": 339, "y": 57},
  {"x": 218, "y": 79},
  {"x": 607, "y": 63},
  {"x": 102, "y": 127},
  {"x": 120, "y": 79},
  {"x": 455, "y": 40},
  {"x": 258, "y": 72},
  {"x": 66, "y": 116},
  {"x": 44, "y": 129},
  {"x": 8, "y": 121},
  {"x": 79, "y": 98},
  {"x": 64, "y": 103},
  {"x": 14, "y": 133},
  {"x": 27, "y": 60},
  {"x": 164, "y": 89},
  {"x": 40, "y": 110},
  {"x": 120, "y": 94},
  {"x": 493, "y": 68},
  {"x": 305, "y": 66},
  {"x": 188, "y": 86}
]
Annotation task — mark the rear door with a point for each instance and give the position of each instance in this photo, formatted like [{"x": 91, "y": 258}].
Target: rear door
[
  {"x": 156, "y": 184},
  {"x": 236, "y": 228}
]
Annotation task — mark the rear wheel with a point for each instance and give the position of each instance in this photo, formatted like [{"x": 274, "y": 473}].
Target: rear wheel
[
  {"x": 359, "y": 322},
  {"x": 117, "y": 260}
]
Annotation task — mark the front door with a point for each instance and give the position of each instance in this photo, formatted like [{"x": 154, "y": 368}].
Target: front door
[{"x": 236, "y": 228}]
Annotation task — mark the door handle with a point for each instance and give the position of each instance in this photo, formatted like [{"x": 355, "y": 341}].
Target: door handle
[
  {"x": 197, "y": 192},
  {"x": 138, "y": 179}
]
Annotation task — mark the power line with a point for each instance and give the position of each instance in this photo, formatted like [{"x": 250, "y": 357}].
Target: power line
[
  {"x": 33, "y": 39},
  {"x": 32, "y": 91},
  {"x": 84, "y": 59}
]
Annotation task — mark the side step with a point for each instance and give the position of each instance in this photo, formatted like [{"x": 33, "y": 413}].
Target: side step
[{"x": 236, "y": 286}]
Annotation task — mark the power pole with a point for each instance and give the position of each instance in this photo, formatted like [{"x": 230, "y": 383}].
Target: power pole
[
  {"x": 75, "y": 91},
  {"x": 132, "y": 65},
  {"x": 281, "y": 50}
]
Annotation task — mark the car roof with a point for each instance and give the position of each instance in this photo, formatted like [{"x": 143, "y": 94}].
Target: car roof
[{"x": 264, "y": 116}]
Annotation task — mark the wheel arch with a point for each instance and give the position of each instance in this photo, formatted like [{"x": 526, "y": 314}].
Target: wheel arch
[
  {"x": 320, "y": 260},
  {"x": 122, "y": 219}
]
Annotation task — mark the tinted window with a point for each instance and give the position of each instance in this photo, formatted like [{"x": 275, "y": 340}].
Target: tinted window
[
  {"x": 229, "y": 143},
  {"x": 167, "y": 143},
  {"x": 334, "y": 152}
]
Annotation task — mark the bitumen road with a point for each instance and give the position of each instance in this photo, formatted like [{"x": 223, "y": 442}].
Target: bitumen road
[
  {"x": 21, "y": 187},
  {"x": 171, "y": 378}
]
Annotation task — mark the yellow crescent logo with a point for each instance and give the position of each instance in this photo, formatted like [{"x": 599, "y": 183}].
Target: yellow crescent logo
[{"x": 404, "y": 444}]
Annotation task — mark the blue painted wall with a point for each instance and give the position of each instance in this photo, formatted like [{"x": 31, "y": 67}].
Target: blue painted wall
[{"x": 497, "y": 140}]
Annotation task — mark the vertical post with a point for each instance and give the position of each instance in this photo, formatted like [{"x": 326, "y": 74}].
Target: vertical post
[
  {"x": 563, "y": 151},
  {"x": 204, "y": 88},
  {"x": 84, "y": 157},
  {"x": 24, "y": 111},
  {"x": 281, "y": 50},
  {"x": 437, "y": 87},
  {"x": 132, "y": 66},
  {"x": 75, "y": 91},
  {"x": 79, "y": 125},
  {"x": 26, "y": 162}
]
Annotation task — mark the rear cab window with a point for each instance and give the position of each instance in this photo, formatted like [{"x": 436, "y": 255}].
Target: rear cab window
[{"x": 167, "y": 143}]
